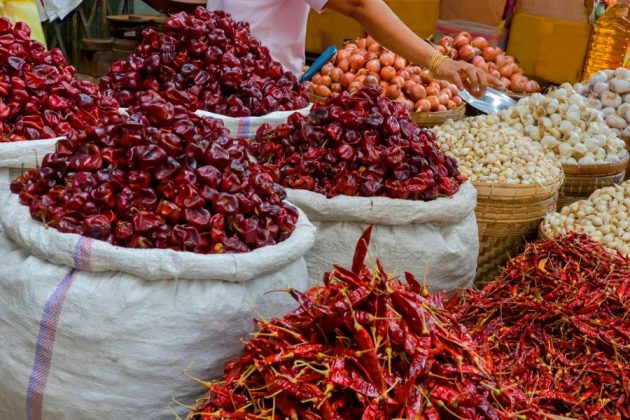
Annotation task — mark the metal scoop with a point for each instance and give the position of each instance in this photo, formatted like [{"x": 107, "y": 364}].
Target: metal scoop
[{"x": 493, "y": 101}]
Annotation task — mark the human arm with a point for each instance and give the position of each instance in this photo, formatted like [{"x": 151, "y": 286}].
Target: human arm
[{"x": 387, "y": 29}]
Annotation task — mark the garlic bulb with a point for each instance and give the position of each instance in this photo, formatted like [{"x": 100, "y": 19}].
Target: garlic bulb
[
  {"x": 604, "y": 216},
  {"x": 609, "y": 91},
  {"x": 610, "y": 99},
  {"x": 615, "y": 121},
  {"x": 490, "y": 151},
  {"x": 620, "y": 86},
  {"x": 567, "y": 128}
]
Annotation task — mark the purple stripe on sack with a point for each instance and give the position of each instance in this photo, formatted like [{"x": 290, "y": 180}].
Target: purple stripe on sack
[
  {"x": 83, "y": 254},
  {"x": 243, "y": 127},
  {"x": 48, "y": 331}
]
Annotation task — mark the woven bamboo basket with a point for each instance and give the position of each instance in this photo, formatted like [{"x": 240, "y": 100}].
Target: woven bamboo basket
[
  {"x": 518, "y": 212},
  {"x": 422, "y": 119},
  {"x": 585, "y": 185},
  {"x": 498, "y": 241},
  {"x": 517, "y": 193},
  {"x": 597, "y": 170},
  {"x": 430, "y": 119},
  {"x": 507, "y": 216},
  {"x": 578, "y": 188},
  {"x": 582, "y": 180},
  {"x": 316, "y": 98}
]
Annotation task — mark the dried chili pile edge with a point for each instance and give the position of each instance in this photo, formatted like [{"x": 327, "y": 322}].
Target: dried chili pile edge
[{"x": 556, "y": 323}]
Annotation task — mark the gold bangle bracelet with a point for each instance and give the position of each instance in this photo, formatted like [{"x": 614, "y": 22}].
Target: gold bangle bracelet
[
  {"x": 436, "y": 65},
  {"x": 436, "y": 56}
]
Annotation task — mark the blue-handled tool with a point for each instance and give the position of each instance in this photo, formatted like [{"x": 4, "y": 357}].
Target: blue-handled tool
[{"x": 319, "y": 63}]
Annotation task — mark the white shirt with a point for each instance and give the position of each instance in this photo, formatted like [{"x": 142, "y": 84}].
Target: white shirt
[{"x": 280, "y": 25}]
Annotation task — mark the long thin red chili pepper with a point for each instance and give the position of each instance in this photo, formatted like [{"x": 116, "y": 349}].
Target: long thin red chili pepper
[{"x": 555, "y": 323}]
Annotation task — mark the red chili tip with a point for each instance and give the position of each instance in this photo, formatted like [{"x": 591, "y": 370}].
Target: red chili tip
[{"x": 358, "y": 261}]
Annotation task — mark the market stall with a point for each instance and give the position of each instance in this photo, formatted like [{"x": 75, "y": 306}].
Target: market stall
[{"x": 206, "y": 235}]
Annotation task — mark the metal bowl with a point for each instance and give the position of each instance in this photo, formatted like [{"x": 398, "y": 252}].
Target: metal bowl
[{"x": 493, "y": 101}]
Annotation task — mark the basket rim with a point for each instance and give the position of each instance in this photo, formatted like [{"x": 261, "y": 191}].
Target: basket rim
[
  {"x": 453, "y": 111},
  {"x": 461, "y": 108},
  {"x": 316, "y": 98},
  {"x": 500, "y": 204},
  {"x": 535, "y": 191},
  {"x": 609, "y": 168},
  {"x": 438, "y": 117},
  {"x": 489, "y": 214}
]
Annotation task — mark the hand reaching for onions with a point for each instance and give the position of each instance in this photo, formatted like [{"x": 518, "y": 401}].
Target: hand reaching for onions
[
  {"x": 385, "y": 27},
  {"x": 466, "y": 76}
]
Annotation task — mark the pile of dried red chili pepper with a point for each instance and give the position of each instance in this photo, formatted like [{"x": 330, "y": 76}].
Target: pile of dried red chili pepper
[
  {"x": 357, "y": 145},
  {"x": 556, "y": 322},
  {"x": 39, "y": 96},
  {"x": 364, "y": 345}
]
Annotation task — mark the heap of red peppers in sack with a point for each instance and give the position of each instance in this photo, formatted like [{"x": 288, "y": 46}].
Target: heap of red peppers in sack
[
  {"x": 357, "y": 145},
  {"x": 159, "y": 177},
  {"x": 550, "y": 336},
  {"x": 39, "y": 96},
  {"x": 208, "y": 61}
]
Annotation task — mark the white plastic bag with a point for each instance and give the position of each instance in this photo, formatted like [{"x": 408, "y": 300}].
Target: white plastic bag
[
  {"x": 22, "y": 154},
  {"x": 93, "y": 331},
  {"x": 438, "y": 236},
  {"x": 246, "y": 127}
]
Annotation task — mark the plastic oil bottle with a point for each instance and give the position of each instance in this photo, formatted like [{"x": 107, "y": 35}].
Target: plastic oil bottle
[{"x": 610, "y": 44}]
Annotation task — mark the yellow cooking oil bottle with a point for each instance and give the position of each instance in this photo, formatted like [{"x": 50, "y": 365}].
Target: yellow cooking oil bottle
[{"x": 610, "y": 44}]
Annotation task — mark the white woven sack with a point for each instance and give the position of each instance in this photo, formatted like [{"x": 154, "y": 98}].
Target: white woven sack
[
  {"x": 246, "y": 127},
  {"x": 93, "y": 331},
  {"x": 22, "y": 154},
  {"x": 439, "y": 236}
]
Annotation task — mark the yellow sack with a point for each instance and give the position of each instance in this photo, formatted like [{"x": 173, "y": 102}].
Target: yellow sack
[{"x": 25, "y": 11}]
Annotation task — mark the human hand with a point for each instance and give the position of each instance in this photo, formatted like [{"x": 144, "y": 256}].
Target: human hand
[{"x": 466, "y": 76}]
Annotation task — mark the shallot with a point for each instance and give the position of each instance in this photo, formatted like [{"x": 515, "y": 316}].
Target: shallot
[
  {"x": 399, "y": 80},
  {"x": 491, "y": 60}
]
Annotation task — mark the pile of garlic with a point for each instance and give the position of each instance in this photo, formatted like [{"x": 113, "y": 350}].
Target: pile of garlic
[
  {"x": 566, "y": 127},
  {"x": 609, "y": 91},
  {"x": 490, "y": 151},
  {"x": 604, "y": 216}
]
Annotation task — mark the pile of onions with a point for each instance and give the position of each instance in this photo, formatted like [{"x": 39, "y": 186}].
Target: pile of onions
[
  {"x": 492, "y": 60},
  {"x": 365, "y": 62}
]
